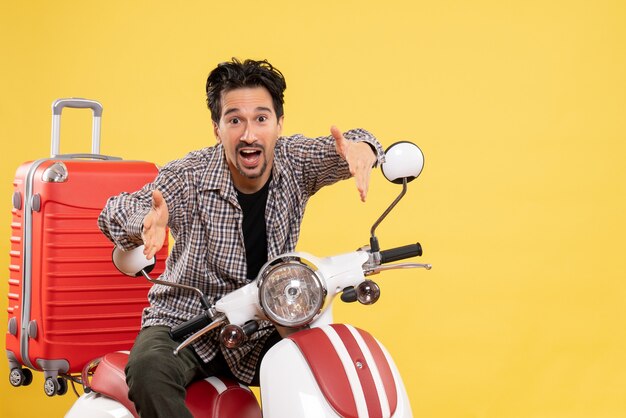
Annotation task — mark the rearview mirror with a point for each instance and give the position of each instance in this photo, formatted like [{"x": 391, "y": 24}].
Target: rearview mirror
[
  {"x": 132, "y": 262},
  {"x": 403, "y": 160}
]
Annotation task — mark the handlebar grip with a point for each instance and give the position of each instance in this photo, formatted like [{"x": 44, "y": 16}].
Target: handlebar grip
[
  {"x": 194, "y": 324},
  {"x": 250, "y": 327},
  {"x": 400, "y": 253}
]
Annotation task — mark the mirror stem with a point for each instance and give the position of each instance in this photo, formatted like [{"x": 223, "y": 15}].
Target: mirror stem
[
  {"x": 203, "y": 298},
  {"x": 375, "y": 248}
]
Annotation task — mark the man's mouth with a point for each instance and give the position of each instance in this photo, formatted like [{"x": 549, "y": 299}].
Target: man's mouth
[{"x": 250, "y": 157}]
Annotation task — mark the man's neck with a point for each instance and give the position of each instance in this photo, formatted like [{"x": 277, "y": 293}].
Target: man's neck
[{"x": 247, "y": 185}]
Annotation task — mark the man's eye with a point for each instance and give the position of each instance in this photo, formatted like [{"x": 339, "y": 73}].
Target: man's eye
[
  {"x": 234, "y": 120},
  {"x": 262, "y": 118}
]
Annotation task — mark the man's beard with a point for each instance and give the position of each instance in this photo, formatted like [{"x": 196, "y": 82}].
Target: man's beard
[
  {"x": 255, "y": 175},
  {"x": 263, "y": 166}
]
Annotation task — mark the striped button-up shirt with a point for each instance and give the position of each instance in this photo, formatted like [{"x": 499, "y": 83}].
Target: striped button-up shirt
[{"x": 205, "y": 220}]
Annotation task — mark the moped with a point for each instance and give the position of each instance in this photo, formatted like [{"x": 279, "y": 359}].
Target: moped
[{"x": 319, "y": 368}]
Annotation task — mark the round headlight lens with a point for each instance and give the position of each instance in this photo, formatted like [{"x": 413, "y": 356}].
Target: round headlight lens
[{"x": 291, "y": 293}]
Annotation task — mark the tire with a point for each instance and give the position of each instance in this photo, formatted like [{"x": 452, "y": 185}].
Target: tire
[
  {"x": 17, "y": 377},
  {"x": 62, "y": 388},
  {"x": 28, "y": 377},
  {"x": 51, "y": 386}
]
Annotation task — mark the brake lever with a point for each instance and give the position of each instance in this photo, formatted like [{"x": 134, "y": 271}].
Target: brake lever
[
  {"x": 378, "y": 269},
  {"x": 221, "y": 320}
]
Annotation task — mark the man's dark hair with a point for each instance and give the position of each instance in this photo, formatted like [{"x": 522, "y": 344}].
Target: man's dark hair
[{"x": 235, "y": 74}]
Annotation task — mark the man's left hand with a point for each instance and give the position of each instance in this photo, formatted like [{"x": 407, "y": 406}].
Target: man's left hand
[{"x": 360, "y": 159}]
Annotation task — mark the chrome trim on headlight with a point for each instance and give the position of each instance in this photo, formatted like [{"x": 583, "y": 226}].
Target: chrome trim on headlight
[{"x": 291, "y": 291}]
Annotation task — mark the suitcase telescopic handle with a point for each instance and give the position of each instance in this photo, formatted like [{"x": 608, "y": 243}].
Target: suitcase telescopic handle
[{"x": 77, "y": 103}]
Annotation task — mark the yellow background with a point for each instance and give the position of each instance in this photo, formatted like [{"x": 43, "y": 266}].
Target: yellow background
[{"x": 519, "y": 107}]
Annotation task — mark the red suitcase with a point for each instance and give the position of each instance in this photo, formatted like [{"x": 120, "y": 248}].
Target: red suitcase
[{"x": 67, "y": 302}]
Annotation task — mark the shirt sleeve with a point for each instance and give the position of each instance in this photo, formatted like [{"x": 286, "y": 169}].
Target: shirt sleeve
[
  {"x": 121, "y": 220},
  {"x": 361, "y": 135},
  {"x": 317, "y": 161}
]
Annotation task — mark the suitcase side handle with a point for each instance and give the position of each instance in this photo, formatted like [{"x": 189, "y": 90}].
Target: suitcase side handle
[{"x": 77, "y": 103}]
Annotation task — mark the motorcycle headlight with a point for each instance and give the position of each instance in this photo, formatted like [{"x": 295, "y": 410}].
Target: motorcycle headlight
[{"x": 290, "y": 292}]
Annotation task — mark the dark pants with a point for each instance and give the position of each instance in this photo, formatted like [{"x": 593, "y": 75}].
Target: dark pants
[{"x": 157, "y": 378}]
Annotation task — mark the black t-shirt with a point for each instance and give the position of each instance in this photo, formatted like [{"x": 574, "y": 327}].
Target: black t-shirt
[{"x": 254, "y": 231}]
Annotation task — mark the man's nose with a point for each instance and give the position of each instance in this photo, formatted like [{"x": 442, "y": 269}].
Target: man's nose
[{"x": 248, "y": 136}]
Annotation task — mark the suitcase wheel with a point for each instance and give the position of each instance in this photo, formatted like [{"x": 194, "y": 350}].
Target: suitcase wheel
[
  {"x": 55, "y": 386},
  {"x": 20, "y": 377}
]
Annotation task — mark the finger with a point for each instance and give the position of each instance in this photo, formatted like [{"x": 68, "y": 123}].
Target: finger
[
  {"x": 147, "y": 250},
  {"x": 147, "y": 233},
  {"x": 150, "y": 249},
  {"x": 147, "y": 222},
  {"x": 365, "y": 189},
  {"x": 362, "y": 180},
  {"x": 157, "y": 199},
  {"x": 147, "y": 245},
  {"x": 340, "y": 141},
  {"x": 336, "y": 133},
  {"x": 153, "y": 250}
]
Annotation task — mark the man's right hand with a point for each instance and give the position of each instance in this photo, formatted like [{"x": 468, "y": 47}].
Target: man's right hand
[{"x": 155, "y": 225}]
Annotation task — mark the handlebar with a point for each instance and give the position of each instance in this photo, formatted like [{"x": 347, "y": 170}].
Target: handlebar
[
  {"x": 194, "y": 324},
  {"x": 400, "y": 253},
  {"x": 208, "y": 319}
]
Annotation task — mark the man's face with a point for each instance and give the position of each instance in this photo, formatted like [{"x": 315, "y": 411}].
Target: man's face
[{"x": 248, "y": 130}]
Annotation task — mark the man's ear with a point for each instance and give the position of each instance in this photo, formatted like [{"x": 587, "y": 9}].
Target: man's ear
[
  {"x": 280, "y": 125},
  {"x": 216, "y": 131}
]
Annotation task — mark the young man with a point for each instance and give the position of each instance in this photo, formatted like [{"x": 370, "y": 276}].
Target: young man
[{"x": 229, "y": 207}]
